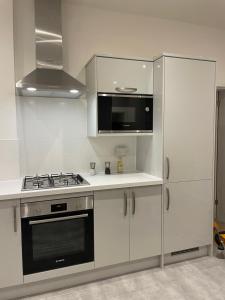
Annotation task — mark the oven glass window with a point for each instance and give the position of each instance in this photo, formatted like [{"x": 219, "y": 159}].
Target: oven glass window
[{"x": 58, "y": 239}]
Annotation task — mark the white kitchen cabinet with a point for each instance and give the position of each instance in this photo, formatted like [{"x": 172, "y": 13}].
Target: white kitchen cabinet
[
  {"x": 189, "y": 119},
  {"x": 136, "y": 76},
  {"x": 111, "y": 227},
  {"x": 188, "y": 215},
  {"x": 127, "y": 225},
  {"x": 115, "y": 75},
  {"x": 11, "y": 250},
  {"x": 188, "y": 93},
  {"x": 145, "y": 222}
]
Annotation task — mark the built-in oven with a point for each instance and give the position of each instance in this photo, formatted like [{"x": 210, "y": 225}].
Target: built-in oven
[
  {"x": 125, "y": 113},
  {"x": 57, "y": 233}
]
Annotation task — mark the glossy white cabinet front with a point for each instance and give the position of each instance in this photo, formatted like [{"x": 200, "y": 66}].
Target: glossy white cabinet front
[
  {"x": 10, "y": 249},
  {"x": 189, "y": 118},
  {"x": 127, "y": 225},
  {"x": 188, "y": 215},
  {"x": 115, "y": 74},
  {"x": 145, "y": 222},
  {"x": 111, "y": 225}
]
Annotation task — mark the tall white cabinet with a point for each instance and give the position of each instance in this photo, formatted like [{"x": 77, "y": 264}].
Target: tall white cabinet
[{"x": 188, "y": 94}]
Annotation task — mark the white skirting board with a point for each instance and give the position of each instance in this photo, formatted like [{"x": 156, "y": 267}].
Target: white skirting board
[{"x": 58, "y": 283}]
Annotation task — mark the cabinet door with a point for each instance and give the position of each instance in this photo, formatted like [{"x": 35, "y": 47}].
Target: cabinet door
[
  {"x": 145, "y": 222},
  {"x": 188, "y": 216},
  {"x": 189, "y": 118},
  {"x": 111, "y": 225},
  {"x": 10, "y": 250},
  {"x": 114, "y": 74}
]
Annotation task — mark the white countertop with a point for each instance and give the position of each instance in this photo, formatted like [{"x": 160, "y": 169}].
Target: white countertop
[{"x": 11, "y": 189}]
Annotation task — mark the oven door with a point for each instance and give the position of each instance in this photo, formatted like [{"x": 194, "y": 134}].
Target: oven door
[
  {"x": 125, "y": 113},
  {"x": 58, "y": 240}
]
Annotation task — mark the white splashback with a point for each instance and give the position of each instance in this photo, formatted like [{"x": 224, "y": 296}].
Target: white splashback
[{"x": 53, "y": 138}]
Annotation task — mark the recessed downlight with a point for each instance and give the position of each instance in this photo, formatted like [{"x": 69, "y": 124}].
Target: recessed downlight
[
  {"x": 31, "y": 89},
  {"x": 74, "y": 91}
]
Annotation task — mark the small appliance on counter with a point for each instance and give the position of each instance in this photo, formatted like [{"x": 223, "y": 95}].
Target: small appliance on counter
[
  {"x": 52, "y": 181},
  {"x": 107, "y": 168},
  {"x": 120, "y": 152},
  {"x": 92, "y": 168}
]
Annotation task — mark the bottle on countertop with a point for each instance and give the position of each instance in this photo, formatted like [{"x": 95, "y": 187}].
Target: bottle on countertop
[
  {"x": 119, "y": 165},
  {"x": 120, "y": 151}
]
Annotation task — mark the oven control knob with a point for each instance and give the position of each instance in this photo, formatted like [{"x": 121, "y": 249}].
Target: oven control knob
[{"x": 147, "y": 109}]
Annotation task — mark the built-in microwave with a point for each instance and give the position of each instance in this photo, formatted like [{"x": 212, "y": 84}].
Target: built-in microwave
[{"x": 125, "y": 113}]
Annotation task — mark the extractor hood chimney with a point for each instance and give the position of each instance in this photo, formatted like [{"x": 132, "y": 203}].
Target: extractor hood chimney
[{"x": 49, "y": 79}]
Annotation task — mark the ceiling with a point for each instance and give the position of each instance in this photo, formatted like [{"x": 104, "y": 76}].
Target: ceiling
[{"x": 202, "y": 12}]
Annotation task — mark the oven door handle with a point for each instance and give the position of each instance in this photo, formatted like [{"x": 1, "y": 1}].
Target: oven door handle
[{"x": 57, "y": 219}]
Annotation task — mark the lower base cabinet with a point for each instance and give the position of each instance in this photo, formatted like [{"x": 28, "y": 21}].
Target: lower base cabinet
[
  {"x": 188, "y": 215},
  {"x": 127, "y": 225},
  {"x": 145, "y": 222},
  {"x": 111, "y": 227},
  {"x": 10, "y": 249}
]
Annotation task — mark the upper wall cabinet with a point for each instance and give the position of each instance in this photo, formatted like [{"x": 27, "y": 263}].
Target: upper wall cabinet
[{"x": 116, "y": 75}]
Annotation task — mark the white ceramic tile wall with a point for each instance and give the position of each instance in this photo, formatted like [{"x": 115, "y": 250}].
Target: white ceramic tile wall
[{"x": 53, "y": 138}]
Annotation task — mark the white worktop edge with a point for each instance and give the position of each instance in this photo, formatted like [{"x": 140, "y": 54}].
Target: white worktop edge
[{"x": 11, "y": 189}]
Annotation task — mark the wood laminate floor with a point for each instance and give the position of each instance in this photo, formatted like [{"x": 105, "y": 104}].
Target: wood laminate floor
[{"x": 199, "y": 279}]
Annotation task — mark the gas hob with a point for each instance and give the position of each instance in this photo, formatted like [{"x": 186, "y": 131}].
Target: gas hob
[{"x": 48, "y": 181}]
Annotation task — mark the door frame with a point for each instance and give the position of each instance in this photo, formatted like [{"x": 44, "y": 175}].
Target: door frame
[{"x": 218, "y": 90}]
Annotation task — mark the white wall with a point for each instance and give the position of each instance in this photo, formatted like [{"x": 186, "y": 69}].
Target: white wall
[
  {"x": 53, "y": 133},
  {"x": 88, "y": 31},
  {"x": 9, "y": 163}
]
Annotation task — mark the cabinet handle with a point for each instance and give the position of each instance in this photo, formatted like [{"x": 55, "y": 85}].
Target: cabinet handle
[
  {"x": 133, "y": 203},
  {"x": 126, "y": 89},
  {"x": 167, "y": 168},
  {"x": 168, "y": 199},
  {"x": 15, "y": 218},
  {"x": 125, "y": 204}
]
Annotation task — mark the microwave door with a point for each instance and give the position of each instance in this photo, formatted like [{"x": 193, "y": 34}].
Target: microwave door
[
  {"x": 131, "y": 114},
  {"x": 126, "y": 113}
]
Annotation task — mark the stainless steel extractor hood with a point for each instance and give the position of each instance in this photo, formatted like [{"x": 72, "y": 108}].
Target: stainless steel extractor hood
[{"x": 49, "y": 79}]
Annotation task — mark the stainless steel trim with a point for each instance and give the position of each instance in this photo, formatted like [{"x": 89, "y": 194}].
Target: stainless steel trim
[
  {"x": 40, "y": 208},
  {"x": 48, "y": 34},
  {"x": 125, "y": 95},
  {"x": 57, "y": 219},
  {"x": 167, "y": 168},
  {"x": 15, "y": 218},
  {"x": 168, "y": 199},
  {"x": 126, "y": 89},
  {"x": 125, "y": 203},
  {"x": 133, "y": 203},
  {"x": 124, "y": 131}
]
